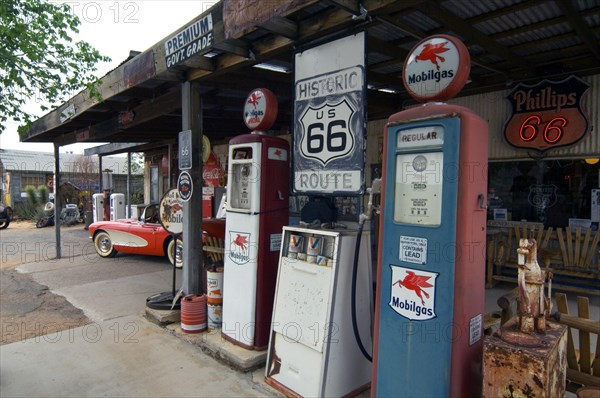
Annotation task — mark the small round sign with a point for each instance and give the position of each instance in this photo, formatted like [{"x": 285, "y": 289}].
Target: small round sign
[
  {"x": 260, "y": 109},
  {"x": 185, "y": 186},
  {"x": 436, "y": 69},
  {"x": 171, "y": 212}
]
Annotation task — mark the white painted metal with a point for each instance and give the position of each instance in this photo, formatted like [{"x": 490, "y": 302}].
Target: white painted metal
[
  {"x": 312, "y": 350},
  {"x": 117, "y": 206},
  {"x": 98, "y": 207},
  {"x": 241, "y": 263}
]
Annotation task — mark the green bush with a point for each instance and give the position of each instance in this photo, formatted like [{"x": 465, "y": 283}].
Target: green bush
[
  {"x": 43, "y": 194},
  {"x": 33, "y": 207}
]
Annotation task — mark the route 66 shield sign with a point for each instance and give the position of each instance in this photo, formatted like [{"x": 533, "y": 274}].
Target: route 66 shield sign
[{"x": 326, "y": 131}]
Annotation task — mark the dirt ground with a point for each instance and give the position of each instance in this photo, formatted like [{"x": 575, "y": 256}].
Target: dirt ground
[{"x": 28, "y": 309}]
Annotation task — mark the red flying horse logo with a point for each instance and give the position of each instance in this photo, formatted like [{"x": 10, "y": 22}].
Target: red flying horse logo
[
  {"x": 254, "y": 98},
  {"x": 239, "y": 247},
  {"x": 241, "y": 241},
  {"x": 415, "y": 282},
  {"x": 431, "y": 53}
]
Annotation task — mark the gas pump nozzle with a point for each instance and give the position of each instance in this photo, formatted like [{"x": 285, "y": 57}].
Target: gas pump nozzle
[{"x": 375, "y": 189}]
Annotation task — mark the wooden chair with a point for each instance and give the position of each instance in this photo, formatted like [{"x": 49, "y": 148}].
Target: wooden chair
[
  {"x": 213, "y": 248},
  {"x": 570, "y": 254},
  {"x": 578, "y": 249},
  {"x": 583, "y": 364}
]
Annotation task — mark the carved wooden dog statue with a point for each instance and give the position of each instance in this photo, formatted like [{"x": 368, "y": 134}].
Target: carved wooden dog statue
[{"x": 531, "y": 302}]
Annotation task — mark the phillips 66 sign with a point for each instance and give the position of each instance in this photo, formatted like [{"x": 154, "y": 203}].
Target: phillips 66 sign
[{"x": 329, "y": 118}]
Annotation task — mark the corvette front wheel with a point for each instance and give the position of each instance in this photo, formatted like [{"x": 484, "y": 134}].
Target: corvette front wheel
[
  {"x": 103, "y": 244},
  {"x": 175, "y": 252}
]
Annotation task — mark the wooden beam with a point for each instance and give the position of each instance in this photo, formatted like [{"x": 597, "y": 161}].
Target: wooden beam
[
  {"x": 113, "y": 148},
  {"x": 114, "y": 82},
  {"x": 236, "y": 47},
  {"x": 580, "y": 26},
  {"x": 308, "y": 29},
  {"x": 351, "y": 6},
  {"x": 281, "y": 26},
  {"x": 160, "y": 106},
  {"x": 386, "y": 48}
]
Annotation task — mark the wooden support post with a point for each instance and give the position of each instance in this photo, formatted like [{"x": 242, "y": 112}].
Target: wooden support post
[
  {"x": 128, "y": 201},
  {"x": 191, "y": 119},
  {"x": 57, "y": 201}
]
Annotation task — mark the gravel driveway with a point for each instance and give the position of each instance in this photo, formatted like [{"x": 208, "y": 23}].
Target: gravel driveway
[{"x": 28, "y": 309}]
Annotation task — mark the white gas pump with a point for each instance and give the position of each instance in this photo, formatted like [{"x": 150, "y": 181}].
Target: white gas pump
[
  {"x": 117, "y": 206},
  {"x": 98, "y": 207},
  {"x": 257, "y": 209},
  {"x": 321, "y": 339}
]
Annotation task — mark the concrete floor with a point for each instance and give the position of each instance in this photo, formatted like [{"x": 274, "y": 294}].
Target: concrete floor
[{"x": 121, "y": 353}]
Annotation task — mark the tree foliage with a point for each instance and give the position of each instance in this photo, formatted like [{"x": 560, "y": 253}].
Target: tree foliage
[{"x": 39, "y": 58}]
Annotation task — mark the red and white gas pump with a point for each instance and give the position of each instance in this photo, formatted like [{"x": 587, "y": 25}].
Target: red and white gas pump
[{"x": 257, "y": 209}]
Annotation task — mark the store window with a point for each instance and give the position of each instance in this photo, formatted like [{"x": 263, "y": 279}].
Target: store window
[{"x": 554, "y": 192}]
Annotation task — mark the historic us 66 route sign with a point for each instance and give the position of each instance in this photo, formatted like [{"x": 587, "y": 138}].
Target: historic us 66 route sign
[{"x": 329, "y": 118}]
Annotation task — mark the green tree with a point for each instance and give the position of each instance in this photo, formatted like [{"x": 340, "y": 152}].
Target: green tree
[{"x": 38, "y": 57}]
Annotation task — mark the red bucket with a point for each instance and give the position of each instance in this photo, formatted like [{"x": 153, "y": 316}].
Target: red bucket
[{"x": 193, "y": 313}]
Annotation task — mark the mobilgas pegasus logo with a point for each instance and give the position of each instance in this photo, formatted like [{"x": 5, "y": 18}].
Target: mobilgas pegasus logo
[
  {"x": 436, "y": 68},
  {"x": 413, "y": 293},
  {"x": 239, "y": 247}
]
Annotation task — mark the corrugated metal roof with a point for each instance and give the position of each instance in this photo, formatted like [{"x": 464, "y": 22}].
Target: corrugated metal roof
[{"x": 28, "y": 161}]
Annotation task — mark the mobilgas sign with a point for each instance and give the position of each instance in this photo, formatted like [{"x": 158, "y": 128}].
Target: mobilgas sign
[
  {"x": 192, "y": 40},
  {"x": 171, "y": 212},
  {"x": 329, "y": 118},
  {"x": 436, "y": 69},
  {"x": 547, "y": 115}
]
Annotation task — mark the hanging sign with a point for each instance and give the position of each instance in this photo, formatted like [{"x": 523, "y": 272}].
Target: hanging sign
[
  {"x": 260, "y": 110},
  {"x": 185, "y": 150},
  {"x": 185, "y": 186},
  {"x": 195, "y": 38},
  {"x": 436, "y": 69},
  {"x": 329, "y": 114},
  {"x": 547, "y": 115},
  {"x": 171, "y": 212}
]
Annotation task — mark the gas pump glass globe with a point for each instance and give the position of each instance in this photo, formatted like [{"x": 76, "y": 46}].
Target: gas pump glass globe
[{"x": 245, "y": 171}]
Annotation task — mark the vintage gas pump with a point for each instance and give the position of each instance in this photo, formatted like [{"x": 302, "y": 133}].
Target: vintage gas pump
[
  {"x": 257, "y": 209},
  {"x": 430, "y": 278}
]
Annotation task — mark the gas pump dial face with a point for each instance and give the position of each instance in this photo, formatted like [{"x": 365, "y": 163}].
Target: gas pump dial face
[{"x": 418, "y": 189}]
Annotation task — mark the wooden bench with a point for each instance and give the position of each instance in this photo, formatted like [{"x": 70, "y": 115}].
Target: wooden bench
[{"x": 571, "y": 255}]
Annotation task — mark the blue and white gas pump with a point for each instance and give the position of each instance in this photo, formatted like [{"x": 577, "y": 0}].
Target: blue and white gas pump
[{"x": 430, "y": 278}]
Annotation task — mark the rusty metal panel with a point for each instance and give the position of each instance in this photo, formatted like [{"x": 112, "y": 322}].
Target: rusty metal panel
[
  {"x": 495, "y": 108},
  {"x": 140, "y": 69},
  {"x": 518, "y": 371},
  {"x": 241, "y": 15}
]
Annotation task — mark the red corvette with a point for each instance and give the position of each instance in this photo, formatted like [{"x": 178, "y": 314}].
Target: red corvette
[
  {"x": 145, "y": 236},
  {"x": 137, "y": 236}
]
